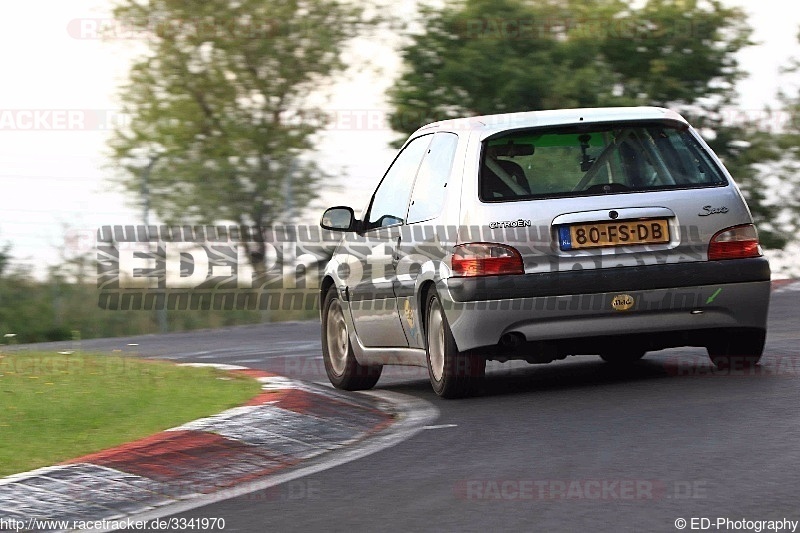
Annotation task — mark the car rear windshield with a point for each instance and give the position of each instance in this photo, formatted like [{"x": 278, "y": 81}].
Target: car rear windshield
[{"x": 595, "y": 159}]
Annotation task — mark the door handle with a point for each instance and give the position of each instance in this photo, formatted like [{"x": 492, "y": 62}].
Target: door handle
[{"x": 396, "y": 252}]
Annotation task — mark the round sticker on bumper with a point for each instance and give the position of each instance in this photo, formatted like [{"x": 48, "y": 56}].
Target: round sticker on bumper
[{"x": 622, "y": 302}]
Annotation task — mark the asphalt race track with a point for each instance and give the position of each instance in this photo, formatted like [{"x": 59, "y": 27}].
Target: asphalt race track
[{"x": 573, "y": 445}]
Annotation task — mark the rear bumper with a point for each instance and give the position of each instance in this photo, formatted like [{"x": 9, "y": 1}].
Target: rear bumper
[
  {"x": 572, "y": 305},
  {"x": 621, "y": 279}
]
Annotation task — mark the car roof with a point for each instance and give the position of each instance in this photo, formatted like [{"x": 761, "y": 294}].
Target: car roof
[{"x": 488, "y": 125}]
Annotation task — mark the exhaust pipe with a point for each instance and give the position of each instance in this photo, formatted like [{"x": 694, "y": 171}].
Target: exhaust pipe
[{"x": 512, "y": 341}]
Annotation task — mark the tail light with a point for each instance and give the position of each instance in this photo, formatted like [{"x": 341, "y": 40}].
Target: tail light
[
  {"x": 485, "y": 259},
  {"x": 735, "y": 243}
]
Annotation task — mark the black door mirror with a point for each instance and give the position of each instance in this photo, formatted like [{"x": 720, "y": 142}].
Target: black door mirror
[{"x": 338, "y": 219}]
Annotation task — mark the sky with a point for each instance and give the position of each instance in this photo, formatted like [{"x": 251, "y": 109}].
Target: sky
[{"x": 58, "y": 103}]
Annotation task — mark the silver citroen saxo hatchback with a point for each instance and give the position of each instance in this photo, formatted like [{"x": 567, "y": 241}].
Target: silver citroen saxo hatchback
[{"x": 540, "y": 235}]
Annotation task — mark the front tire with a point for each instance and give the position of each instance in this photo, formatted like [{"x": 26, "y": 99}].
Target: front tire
[
  {"x": 344, "y": 372},
  {"x": 737, "y": 349},
  {"x": 452, "y": 374}
]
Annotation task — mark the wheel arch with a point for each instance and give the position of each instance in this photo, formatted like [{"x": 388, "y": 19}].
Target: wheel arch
[
  {"x": 422, "y": 298},
  {"x": 425, "y": 289},
  {"x": 327, "y": 283}
]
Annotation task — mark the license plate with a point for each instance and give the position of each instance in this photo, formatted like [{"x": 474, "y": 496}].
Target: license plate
[{"x": 623, "y": 233}]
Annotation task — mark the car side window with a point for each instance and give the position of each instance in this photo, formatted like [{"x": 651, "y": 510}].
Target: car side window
[
  {"x": 390, "y": 201},
  {"x": 430, "y": 186}
]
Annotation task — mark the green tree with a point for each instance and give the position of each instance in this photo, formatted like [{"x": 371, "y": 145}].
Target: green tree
[
  {"x": 490, "y": 56},
  {"x": 5, "y": 258},
  {"x": 477, "y": 57},
  {"x": 748, "y": 150},
  {"x": 221, "y": 120},
  {"x": 781, "y": 181},
  {"x": 764, "y": 156}
]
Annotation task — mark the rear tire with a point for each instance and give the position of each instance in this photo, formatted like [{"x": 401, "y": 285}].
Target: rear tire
[
  {"x": 452, "y": 374},
  {"x": 344, "y": 372},
  {"x": 737, "y": 349}
]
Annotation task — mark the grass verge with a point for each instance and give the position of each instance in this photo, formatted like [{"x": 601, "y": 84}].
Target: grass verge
[{"x": 55, "y": 407}]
